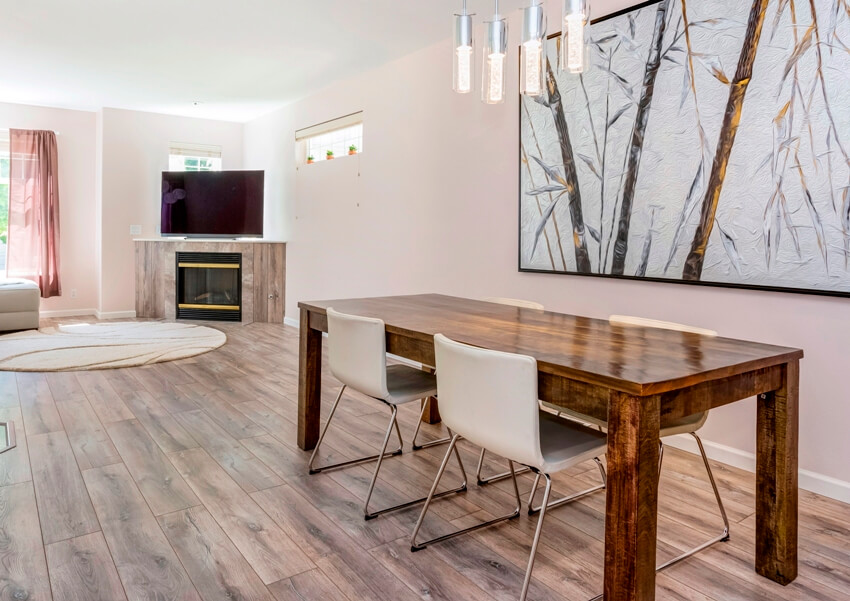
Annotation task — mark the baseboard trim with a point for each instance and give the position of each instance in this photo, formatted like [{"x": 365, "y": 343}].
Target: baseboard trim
[
  {"x": 67, "y": 313},
  {"x": 115, "y": 314},
  {"x": 809, "y": 480}
]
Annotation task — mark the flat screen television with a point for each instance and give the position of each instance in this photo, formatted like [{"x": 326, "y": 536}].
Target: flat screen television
[{"x": 212, "y": 204}]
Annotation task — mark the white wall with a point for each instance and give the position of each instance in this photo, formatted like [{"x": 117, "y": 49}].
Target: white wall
[
  {"x": 134, "y": 155},
  {"x": 431, "y": 206},
  {"x": 76, "y": 142}
]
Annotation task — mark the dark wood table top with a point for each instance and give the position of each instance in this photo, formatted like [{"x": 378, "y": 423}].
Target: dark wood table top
[{"x": 632, "y": 359}]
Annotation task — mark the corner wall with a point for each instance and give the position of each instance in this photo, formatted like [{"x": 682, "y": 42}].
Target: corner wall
[
  {"x": 431, "y": 206},
  {"x": 134, "y": 147}
]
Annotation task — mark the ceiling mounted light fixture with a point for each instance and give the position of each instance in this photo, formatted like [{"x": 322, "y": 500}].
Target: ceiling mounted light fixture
[
  {"x": 575, "y": 36},
  {"x": 533, "y": 56},
  {"x": 495, "y": 53},
  {"x": 463, "y": 60}
]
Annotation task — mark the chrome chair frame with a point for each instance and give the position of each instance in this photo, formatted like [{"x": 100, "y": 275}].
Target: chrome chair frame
[
  {"x": 570, "y": 498},
  {"x": 393, "y": 425},
  {"x": 432, "y": 443},
  {"x": 546, "y": 504},
  {"x": 495, "y": 477},
  {"x": 717, "y": 539},
  {"x": 414, "y": 546}
]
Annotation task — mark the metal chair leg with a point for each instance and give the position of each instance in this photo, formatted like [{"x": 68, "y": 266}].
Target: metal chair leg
[
  {"x": 316, "y": 470},
  {"x": 414, "y": 546},
  {"x": 574, "y": 497},
  {"x": 536, "y": 541},
  {"x": 722, "y": 537},
  {"x": 495, "y": 477},
  {"x": 371, "y": 515},
  {"x": 433, "y": 443}
]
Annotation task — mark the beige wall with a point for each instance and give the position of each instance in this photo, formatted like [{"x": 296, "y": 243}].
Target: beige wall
[
  {"x": 135, "y": 153},
  {"x": 76, "y": 142},
  {"x": 432, "y": 206},
  {"x": 109, "y": 176}
]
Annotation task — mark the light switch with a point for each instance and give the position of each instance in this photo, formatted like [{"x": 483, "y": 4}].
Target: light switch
[{"x": 135, "y": 230}]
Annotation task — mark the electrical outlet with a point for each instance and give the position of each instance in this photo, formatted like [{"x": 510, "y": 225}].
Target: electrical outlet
[
  {"x": 73, "y": 293},
  {"x": 135, "y": 230}
]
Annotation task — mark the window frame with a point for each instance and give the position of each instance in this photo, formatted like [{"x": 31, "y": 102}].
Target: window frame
[{"x": 336, "y": 135}]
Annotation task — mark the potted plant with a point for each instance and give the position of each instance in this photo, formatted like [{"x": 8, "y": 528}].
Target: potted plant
[
  {"x": 310, "y": 160},
  {"x": 352, "y": 149},
  {"x": 329, "y": 154}
]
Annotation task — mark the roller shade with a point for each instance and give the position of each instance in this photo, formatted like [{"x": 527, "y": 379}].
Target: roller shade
[
  {"x": 194, "y": 150},
  {"x": 329, "y": 126}
]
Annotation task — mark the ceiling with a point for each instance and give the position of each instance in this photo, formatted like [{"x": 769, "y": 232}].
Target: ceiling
[{"x": 237, "y": 58}]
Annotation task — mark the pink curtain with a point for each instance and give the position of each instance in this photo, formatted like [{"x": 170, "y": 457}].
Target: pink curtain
[{"x": 33, "y": 243}]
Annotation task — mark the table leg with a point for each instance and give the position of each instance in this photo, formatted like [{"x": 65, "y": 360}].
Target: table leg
[
  {"x": 776, "y": 479},
  {"x": 309, "y": 383},
  {"x": 432, "y": 412},
  {"x": 632, "y": 502}
]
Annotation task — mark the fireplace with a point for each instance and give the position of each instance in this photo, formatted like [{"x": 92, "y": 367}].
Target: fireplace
[{"x": 209, "y": 286}]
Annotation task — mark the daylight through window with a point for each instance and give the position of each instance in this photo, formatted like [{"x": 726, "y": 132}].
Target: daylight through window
[
  {"x": 194, "y": 157},
  {"x": 332, "y": 139}
]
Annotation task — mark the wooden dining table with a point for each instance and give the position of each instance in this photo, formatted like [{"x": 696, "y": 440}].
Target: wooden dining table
[{"x": 638, "y": 379}]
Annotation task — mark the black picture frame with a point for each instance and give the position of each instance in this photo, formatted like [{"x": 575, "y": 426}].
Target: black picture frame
[{"x": 712, "y": 284}]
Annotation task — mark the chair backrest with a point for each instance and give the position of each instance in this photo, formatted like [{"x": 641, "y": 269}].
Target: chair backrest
[
  {"x": 628, "y": 320},
  {"x": 514, "y": 302},
  {"x": 357, "y": 348},
  {"x": 490, "y": 398}
]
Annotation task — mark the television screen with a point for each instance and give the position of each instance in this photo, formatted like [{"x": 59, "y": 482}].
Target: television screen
[{"x": 215, "y": 204}]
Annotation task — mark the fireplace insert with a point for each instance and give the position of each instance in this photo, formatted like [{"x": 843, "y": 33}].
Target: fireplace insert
[{"x": 209, "y": 286}]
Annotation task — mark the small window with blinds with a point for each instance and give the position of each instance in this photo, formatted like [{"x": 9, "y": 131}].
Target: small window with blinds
[
  {"x": 193, "y": 157},
  {"x": 332, "y": 139}
]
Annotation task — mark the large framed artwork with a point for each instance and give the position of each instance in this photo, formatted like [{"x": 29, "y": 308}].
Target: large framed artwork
[{"x": 708, "y": 142}]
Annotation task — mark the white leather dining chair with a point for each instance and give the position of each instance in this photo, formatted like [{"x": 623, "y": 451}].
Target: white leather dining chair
[
  {"x": 686, "y": 425},
  {"x": 490, "y": 399},
  {"x": 523, "y": 304},
  {"x": 358, "y": 358}
]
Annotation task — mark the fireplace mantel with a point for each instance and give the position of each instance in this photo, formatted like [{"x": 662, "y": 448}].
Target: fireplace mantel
[{"x": 263, "y": 275}]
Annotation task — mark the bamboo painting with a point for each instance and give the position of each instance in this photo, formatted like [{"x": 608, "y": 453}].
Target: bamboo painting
[{"x": 707, "y": 143}]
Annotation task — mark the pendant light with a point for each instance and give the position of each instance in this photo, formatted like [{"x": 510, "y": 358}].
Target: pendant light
[
  {"x": 495, "y": 53},
  {"x": 575, "y": 36},
  {"x": 533, "y": 58},
  {"x": 463, "y": 60}
]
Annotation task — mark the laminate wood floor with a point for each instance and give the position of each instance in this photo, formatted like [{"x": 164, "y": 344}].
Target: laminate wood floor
[{"x": 182, "y": 481}]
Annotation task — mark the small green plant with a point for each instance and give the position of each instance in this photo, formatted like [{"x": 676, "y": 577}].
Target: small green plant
[
  {"x": 352, "y": 148},
  {"x": 310, "y": 159},
  {"x": 330, "y": 154}
]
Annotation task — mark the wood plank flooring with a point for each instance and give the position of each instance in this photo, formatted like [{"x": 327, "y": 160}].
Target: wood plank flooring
[{"x": 182, "y": 482}]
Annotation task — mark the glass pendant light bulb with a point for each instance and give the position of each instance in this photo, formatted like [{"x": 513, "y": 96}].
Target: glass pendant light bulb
[
  {"x": 533, "y": 57},
  {"x": 575, "y": 36},
  {"x": 495, "y": 54},
  {"x": 463, "y": 63}
]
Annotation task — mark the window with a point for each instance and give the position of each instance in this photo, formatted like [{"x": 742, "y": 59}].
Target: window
[
  {"x": 4, "y": 196},
  {"x": 193, "y": 157},
  {"x": 337, "y": 136}
]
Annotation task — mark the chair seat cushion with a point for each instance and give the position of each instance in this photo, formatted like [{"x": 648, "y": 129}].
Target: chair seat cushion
[
  {"x": 565, "y": 443},
  {"x": 408, "y": 384},
  {"x": 685, "y": 425},
  {"x": 18, "y": 296}
]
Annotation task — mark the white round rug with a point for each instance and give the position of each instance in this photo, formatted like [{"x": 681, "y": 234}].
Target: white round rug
[{"x": 105, "y": 345}]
